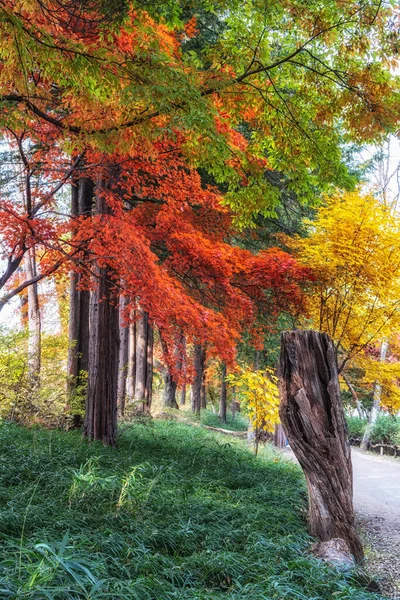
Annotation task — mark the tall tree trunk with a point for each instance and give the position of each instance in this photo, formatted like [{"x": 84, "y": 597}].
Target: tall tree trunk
[
  {"x": 183, "y": 395},
  {"x": 148, "y": 394},
  {"x": 279, "y": 436},
  {"x": 170, "y": 384},
  {"x": 34, "y": 321},
  {"x": 183, "y": 366},
  {"x": 313, "y": 418},
  {"x": 197, "y": 385},
  {"x": 169, "y": 395},
  {"x": 222, "y": 399},
  {"x": 123, "y": 353},
  {"x": 375, "y": 404},
  {"x": 144, "y": 362},
  {"x": 131, "y": 375},
  {"x": 78, "y": 326},
  {"x": 101, "y": 404}
]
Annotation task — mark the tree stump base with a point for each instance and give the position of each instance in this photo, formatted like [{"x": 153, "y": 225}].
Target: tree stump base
[{"x": 313, "y": 418}]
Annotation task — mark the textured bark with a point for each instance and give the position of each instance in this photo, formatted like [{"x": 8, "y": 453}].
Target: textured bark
[
  {"x": 34, "y": 321},
  {"x": 148, "y": 392},
  {"x": 123, "y": 354},
  {"x": 131, "y": 375},
  {"x": 170, "y": 384},
  {"x": 197, "y": 385},
  {"x": 279, "y": 436},
  {"x": 101, "y": 404},
  {"x": 144, "y": 362},
  {"x": 222, "y": 399},
  {"x": 78, "y": 328},
  {"x": 313, "y": 418},
  {"x": 169, "y": 395}
]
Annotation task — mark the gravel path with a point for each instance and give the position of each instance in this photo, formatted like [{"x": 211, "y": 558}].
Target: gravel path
[{"x": 377, "y": 504}]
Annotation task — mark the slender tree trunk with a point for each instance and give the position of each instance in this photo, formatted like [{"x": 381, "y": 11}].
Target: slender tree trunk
[
  {"x": 375, "y": 404},
  {"x": 78, "y": 326},
  {"x": 313, "y": 418},
  {"x": 123, "y": 354},
  {"x": 169, "y": 396},
  {"x": 34, "y": 321},
  {"x": 101, "y": 404},
  {"x": 141, "y": 359},
  {"x": 222, "y": 399},
  {"x": 197, "y": 385},
  {"x": 170, "y": 384},
  {"x": 144, "y": 362},
  {"x": 131, "y": 376},
  {"x": 183, "y": 366},
  {"x": 279, "y": 436},
  {"x": 183, "y": 395},
  {"x": 148, "y": 393}
]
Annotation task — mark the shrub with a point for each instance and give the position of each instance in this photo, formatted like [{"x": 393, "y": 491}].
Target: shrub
[
  {"x": 386, "y": 430},
  {"x": 356, "y": 426}
]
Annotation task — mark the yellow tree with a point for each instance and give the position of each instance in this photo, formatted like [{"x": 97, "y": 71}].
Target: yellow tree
[
  {"x": 353, "y": 249},
  {"x": 259, "y": 394}
]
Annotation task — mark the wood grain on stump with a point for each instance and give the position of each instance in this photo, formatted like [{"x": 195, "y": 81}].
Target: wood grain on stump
[{"x": 313, "y": 418}]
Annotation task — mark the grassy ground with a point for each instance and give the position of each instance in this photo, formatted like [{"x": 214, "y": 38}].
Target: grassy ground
[{"x": 174, "y": 513}]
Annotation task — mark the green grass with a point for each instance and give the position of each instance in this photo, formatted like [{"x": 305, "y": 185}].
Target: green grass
[
  {"x": 174, "y": 513},
  {"x": 239, "y": 423}
]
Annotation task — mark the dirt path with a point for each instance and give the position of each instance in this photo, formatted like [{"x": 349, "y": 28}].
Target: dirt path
[{"x": 377, "y": 504}]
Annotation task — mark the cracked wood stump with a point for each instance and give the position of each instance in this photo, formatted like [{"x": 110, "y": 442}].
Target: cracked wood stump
[{"x": 312, "y": 415}]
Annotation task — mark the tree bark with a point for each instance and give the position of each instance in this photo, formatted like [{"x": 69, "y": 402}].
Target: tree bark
[
  {"x": 279, "y": 436},
  {"x": 313, "y": 418},
  {"x": 144, "y": 362},
  {"x": 148, "y": 393},
  {"x": 196, "y": 392},
  {"x": 34, "y": 321},
  {"x": 101, "y": 403},
  {"x": 222, "y": 399},
  {"x": 78, "y": 327},
  {"x": 169, "y": 395},
  {"x": 123, "y": 354},
  {"x": 131, "y": 375}
]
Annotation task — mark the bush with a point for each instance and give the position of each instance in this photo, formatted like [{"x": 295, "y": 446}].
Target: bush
[
  {"x": 356, "y": 426},
  {"x": 386, "y": 430},
  {"x": 239, "y": 423}
]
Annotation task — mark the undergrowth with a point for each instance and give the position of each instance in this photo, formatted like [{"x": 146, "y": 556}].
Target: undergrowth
[
  {"x": 237, "y": 423},
  {"x": 174, "y": 512}
]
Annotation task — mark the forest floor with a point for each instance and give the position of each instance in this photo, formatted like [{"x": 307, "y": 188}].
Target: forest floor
[
  {"x": 377, "y": 503},
  {"x": 173, "y": 513}
]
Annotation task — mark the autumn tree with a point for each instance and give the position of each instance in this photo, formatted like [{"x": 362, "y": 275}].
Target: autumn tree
[
  {"x": 114, "y": 90},
  {"x": 353, "y": 251}
]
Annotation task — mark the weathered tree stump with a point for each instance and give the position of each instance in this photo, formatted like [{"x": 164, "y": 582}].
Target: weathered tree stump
[{"x": 313, "y": 418}]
